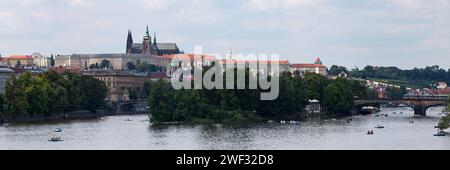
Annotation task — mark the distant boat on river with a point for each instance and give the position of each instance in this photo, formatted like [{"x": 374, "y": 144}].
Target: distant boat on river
[{"x": 369, "y": 110}]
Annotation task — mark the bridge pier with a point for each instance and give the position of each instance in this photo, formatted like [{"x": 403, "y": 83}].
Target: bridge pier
[{"x": 420, "y": 110}]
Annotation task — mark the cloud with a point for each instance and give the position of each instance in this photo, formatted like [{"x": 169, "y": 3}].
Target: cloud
[
  {"x": 81, "y": 2},
  {"x": 376, "y": 31},
  {"x": 264, "y": 5},
  {"x": 157, "y": 4}
]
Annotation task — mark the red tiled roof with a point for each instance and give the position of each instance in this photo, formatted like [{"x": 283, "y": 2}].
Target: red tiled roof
[
  {"x": 307, "y": 65},
  {"x": 20, "y": 57},
  {"x": 188, "y": 56},
  {"x": 318, "y": 60}
]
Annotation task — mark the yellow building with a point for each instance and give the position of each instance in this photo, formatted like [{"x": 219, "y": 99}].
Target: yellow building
[
  {"x": 119, "y": 83},
  {"x": 20, "y": 60}
]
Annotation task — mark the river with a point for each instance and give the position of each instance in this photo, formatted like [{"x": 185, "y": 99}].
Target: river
[{"x": 135, "y": 132}]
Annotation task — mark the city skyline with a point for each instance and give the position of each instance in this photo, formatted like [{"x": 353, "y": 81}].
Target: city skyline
[{"x": 403, "y": 33}]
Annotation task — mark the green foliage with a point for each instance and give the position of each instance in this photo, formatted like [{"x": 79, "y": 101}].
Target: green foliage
[
  {"x": 131, "y": 66},
  {"x": 315, "y": 85},
  {"x": 105, "y": 64},
  {"x": 336, "y": 70},
  {"x": 146, "y": 67},
  {"x": 2, "y": 104},
  {"x": 444, "y": 123},
  {"x": 240, "y": 105},
  {"x": 51, "y": 93},
  {"x": 339, "y": 98},
  {"x": 360, "y": 89},
  {"x": 93, "y": 93},
  {"x": 52, "y": 61},
  {"x": 15, "y": 98},
  {"x": 424, "y": 75},
  {"x": 395, "y": 93},
  {"x": 161, "y": 102}
]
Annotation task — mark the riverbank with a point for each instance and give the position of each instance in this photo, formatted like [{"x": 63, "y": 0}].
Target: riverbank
[{"x": 63, "y": 116}]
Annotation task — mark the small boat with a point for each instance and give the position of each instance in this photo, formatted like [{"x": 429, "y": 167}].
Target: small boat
[
  {"x": 379, "y": 127},
  {"x": 283, "y": 122},
  {"x": 440, "y": 133},
  {"x": 293, "y": 122},
  {"x": 386, "y": 115},
  {"x": 55, "y": 139},
  {"x": 58, "y": 130}
]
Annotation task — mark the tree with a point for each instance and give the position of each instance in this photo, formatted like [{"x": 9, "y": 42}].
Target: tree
[
  {"x": 395, "y": 93},
  {"x": 131, "y": 66},
  {"x": 146, "y": 89},
  {"x": 315, "y": 85},
  {"x": 2, "y": 104},
  {"x": 93, "y": 94},
  {"x": 105, "y": 64},
  {"x": 133, "y": 94},
  {"x": 444, "y": 123},
  {"x": 336, "y": 70},
  {"x": 161, "y": 102},
  {"x": 52, "y": 61},
  {"x": 339, "y": 98},
  {"x": 18, "y": 63},
  {"x": 15, "y": 99}
]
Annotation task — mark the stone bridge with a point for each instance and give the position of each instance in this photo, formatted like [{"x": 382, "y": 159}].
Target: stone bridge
[{"x": 419, "y": 104}]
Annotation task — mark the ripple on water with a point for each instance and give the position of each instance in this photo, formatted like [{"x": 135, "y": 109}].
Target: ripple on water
[{"x": 115, "y": 133}]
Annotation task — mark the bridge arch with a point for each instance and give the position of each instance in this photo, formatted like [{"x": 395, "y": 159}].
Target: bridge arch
[{"x": 420, "y": 106}]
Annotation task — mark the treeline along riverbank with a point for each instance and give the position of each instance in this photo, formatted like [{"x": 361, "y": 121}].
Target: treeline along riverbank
[
  {"x": 232, "y": 106},
  {"x": 52, "y": 95}
]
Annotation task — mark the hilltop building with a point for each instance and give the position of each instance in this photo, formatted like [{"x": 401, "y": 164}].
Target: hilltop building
[
  {"x": 304, "y": 68},
  {"x": 34, "y": 60},
  {"x": 148, "y": 51},
  {"x": 150, "y": 47}
]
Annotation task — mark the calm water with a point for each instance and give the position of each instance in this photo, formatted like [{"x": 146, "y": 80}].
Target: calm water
[{"x": 117, "y": 133}]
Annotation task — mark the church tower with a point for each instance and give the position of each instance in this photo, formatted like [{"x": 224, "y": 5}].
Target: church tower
[
  {"x": 155, "y": 44},
  {"x": 129, "y": 43},
  {"x": 147, "y": 46}
]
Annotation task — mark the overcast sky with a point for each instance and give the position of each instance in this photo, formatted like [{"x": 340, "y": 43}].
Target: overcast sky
[{"x": 404, "y": 33}]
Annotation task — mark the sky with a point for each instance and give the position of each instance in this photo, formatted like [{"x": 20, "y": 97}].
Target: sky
[{"x": 403, "y": 33}]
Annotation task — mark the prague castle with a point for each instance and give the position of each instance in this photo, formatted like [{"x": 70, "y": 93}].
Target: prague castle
[
  {"x": 149, "y": 47},
  {"x": 148, "y": 51}
]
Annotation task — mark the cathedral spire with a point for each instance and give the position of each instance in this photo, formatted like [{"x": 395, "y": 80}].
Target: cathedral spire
[
  {"x": 129, "y": 42},
  {"x": 154, "y": 38},
  {"x": 147, "y": 33}
]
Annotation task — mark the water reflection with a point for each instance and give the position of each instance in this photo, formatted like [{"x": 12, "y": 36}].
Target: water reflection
[{"x": 135, "y": 132}]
